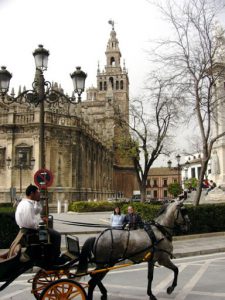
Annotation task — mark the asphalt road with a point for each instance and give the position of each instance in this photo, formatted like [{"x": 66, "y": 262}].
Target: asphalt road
[{"x": 200, "y": 277}]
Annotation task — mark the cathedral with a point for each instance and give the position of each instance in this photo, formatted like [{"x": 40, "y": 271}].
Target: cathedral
[{"x": 81, "y": 141}]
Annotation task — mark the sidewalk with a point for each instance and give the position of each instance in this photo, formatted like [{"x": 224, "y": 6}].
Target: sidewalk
[{"x": 187, "y": 245}]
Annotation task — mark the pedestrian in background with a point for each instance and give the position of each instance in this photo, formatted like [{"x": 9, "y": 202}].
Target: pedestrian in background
[
  {"x": 117, "y": 219},
  {"x": 132, "y": 219},
  {"x": 212, "y": 185}
]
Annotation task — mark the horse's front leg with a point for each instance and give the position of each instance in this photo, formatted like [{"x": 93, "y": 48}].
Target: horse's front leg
[
  {"x": 103, "y": 290},
  {"x": 168, "y": 264},
  {"x": 150, "y": 279},
  {"x": 96, "y": 279}
]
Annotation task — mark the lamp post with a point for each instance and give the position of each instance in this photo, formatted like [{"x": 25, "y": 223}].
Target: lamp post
[
  {"x": 21, "y": 166},
  {"x": 178, "y": 168},
  {"x": 42, "y": 92}
]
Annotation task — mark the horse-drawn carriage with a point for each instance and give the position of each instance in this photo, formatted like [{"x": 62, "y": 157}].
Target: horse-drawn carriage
[
  {"x": 62, "y": 281},
  {"x": 52, "y": 281}
]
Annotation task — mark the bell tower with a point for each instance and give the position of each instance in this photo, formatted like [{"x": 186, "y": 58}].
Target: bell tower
[
  {"x": 113, "y": 81},
  {"x": 110, "y": 98}
]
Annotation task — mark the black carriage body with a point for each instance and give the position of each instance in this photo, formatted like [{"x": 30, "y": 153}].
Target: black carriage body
[{"x": 14, "y": 263}]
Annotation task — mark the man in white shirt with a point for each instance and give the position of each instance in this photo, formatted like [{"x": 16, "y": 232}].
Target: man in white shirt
[
  {"x": 28, "y": 216},
  {"x": 29, "y": 208}
]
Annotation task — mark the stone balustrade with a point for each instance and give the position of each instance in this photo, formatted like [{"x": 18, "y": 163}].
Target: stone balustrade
[{"x": 50, "y": 118}]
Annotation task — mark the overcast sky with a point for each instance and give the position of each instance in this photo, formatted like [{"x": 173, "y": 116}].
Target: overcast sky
[{"x": 75, "y": 33}]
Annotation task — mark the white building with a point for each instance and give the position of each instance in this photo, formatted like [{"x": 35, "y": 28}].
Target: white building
[{"x": 192, "y": 167}]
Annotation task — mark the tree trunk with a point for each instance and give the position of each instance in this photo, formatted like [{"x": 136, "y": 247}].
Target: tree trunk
[
  {"x": 143, "y": 191},
  {"x": 199, "y": 188}
]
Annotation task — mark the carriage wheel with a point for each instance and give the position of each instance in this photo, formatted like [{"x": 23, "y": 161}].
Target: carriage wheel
[
  {"x": 63, "y": 289},
  {"x": 43, "y": 278}
]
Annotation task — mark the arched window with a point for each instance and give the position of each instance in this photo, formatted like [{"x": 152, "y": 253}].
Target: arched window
[
  {"x": 100, "y": 86},
  {"x": 111, "y": 82},
  {"x": 2, "y": 156},
  {"x": 121, "y": 84},
  {"x": 117, "y": 85},
  {"x": 105, "y": 85},
  {"x": 23, "y": 155},
  {"x": 112, "y": 61}
]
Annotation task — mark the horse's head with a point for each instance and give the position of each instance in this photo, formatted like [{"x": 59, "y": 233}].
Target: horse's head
[{"x": 181, "y": 218}]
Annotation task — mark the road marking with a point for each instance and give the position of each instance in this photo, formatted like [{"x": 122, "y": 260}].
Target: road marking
[
  {"x": 9, "y": 296},
  {"x": 129, "y": 287},
  {"x": 124, "y": 296},
  {"x": 203, "y": 257},
  {"x": 192, "y": 282},
  {"x": 208, "y": 294},
  {"x": 164, "y": 283}
]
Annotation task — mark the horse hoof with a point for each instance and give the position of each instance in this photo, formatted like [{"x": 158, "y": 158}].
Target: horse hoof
[
  {"x": 170, "y": 290},
  {"x": 104, "y": 297}
]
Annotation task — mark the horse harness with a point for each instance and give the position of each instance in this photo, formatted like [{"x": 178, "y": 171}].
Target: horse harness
[{"x": 150, "y": 249}]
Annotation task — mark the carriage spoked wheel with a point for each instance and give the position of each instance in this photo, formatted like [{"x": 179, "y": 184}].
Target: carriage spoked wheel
[
  {"x": 63, "y": 289},
  {"x": 43, "y": 278}
]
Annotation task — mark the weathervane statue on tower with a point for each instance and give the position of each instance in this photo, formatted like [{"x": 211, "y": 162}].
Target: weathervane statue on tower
[{"x": 111, "y": 22}]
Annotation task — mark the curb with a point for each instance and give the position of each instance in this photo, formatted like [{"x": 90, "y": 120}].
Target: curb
[
  {"x": 199, "y": 252},
  {"x": 198, "y": 235}
]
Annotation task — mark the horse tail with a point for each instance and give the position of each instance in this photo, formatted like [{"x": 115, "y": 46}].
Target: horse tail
[{"x": 85, "y": 255}]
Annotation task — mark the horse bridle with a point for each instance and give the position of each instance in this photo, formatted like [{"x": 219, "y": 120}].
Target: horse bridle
[
  {"x": 184, "y": 214},
  {"x": 165, "y": 229}
]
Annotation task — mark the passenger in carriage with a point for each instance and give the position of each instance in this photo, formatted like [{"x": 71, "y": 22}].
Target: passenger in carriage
[
  {"x": 117, "y": 219},
  {"x": 28, "y": 216},
  {"x": 132, "y": 220}
]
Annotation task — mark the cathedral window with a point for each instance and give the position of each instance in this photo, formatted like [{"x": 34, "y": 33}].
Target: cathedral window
[
  {"x": 105, "y": 85},
  {"x": 117, "y": 85},
  {"x": 2, "y": 157},
  {"x": 111, "y": 82},
  {"x": 121, "y": 84},
  {"x": 100, "y": 86},
  {"x": 23, "y": 155}
]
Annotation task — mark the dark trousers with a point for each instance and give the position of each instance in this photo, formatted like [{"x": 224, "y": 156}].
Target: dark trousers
[{"x": 55, "y": 239}]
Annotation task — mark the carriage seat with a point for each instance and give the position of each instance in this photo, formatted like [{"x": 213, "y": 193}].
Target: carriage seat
[
  {"x": 11, "y": 253},
  {"x": 73, "y": 248}
]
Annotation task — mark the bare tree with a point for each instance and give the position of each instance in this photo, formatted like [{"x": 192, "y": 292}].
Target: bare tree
[
  {"x": 194, "y": 55},
  {"x": 151, "y": 119}
]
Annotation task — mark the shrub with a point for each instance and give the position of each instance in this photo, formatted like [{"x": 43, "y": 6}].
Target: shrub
[
  {"x": 207, "y": 218},
  {"x": 204, "y": 218},
  {"x": 85, "y": 206},
  {"x": 5, "y": 207}
]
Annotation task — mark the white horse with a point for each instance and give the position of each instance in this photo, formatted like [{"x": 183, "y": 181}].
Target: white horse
[{"x": 152, "y": 244}]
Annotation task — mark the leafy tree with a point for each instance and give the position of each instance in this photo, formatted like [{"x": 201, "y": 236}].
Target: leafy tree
[
  {"x": 191, "y": 183},
  {"x": 175, "y": 189}
]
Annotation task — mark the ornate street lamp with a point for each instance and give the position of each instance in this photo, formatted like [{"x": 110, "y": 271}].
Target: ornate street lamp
[
  {"x": 178, "y": 168},
  {"x": 178, "y": 157},
  {"x": 169, "y": 163},
  {"x": 78, "y": 78},
  {"x": 42, "y": 92},
  {"x": 41, "y": 58},
  {"x": 5, "y": 77}
]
